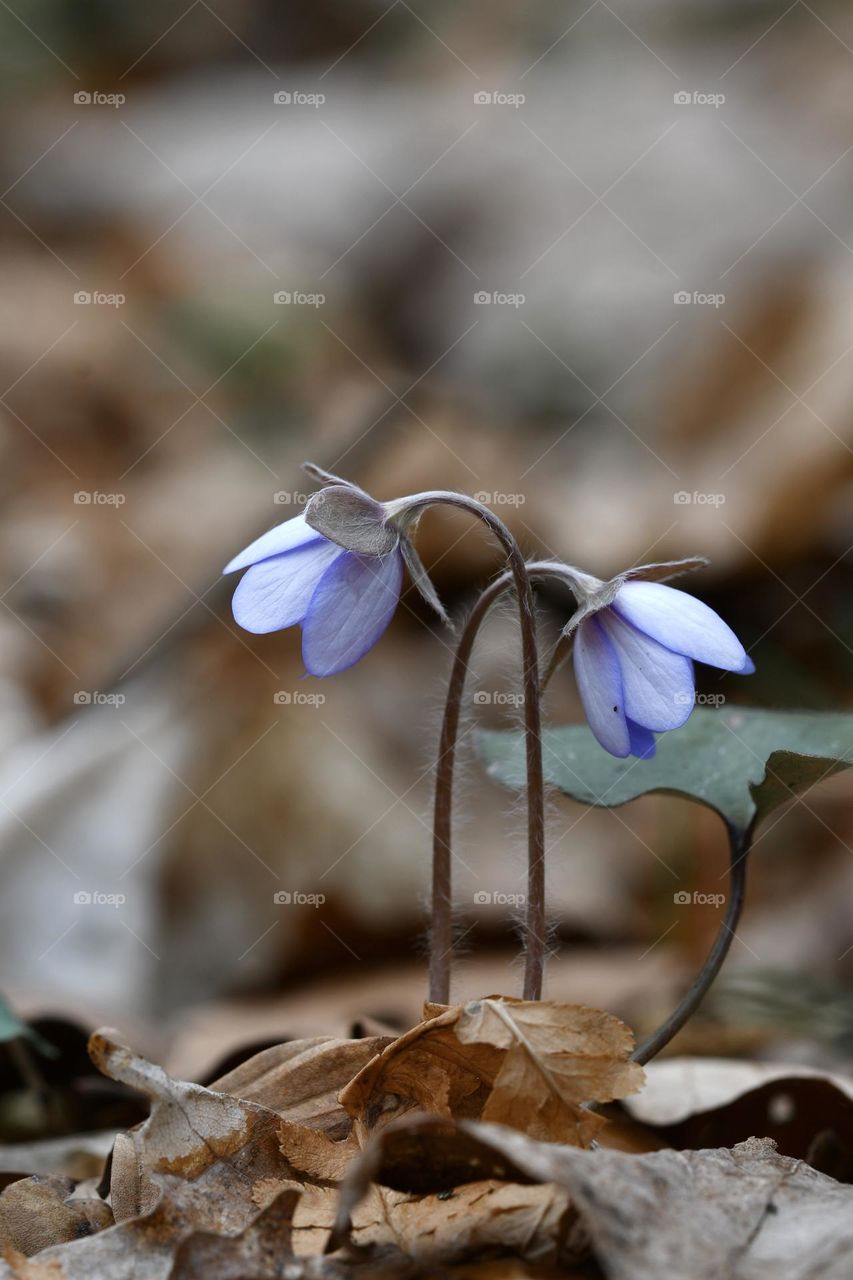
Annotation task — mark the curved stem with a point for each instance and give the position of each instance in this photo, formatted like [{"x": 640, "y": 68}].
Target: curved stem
[
  {"x": 442, "y": 928},
  {"x": 739, "y": 845},
  {"x": 738, "y": 854},
  {"x": 442, "y": 934},
  {"x": 442, "y": 940}
]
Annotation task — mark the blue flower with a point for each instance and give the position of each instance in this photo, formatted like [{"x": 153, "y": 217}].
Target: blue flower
[
  {"x": 343, "y": 599},
  {"x": 635, "y": 643},
  {"x": 337, "y": 569}
]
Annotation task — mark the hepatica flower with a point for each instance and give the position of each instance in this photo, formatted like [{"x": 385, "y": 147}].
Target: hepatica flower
[
  {"x": 337, "y": 570},
  {"x": 635, "y": 641}
]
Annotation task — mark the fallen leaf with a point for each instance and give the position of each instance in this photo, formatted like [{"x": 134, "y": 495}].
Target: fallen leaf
[
  {"x": 41, "y": 1211},
  {"x": 300, "y": 1080},
  {"x": 557, "y": 1057},
  {"x": 714, "y": 1102},
  {"x": 529, "y": 1064},
  {"x": 747, "y": 1213}
]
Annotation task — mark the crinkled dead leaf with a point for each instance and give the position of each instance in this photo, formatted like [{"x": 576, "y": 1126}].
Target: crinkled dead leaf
[
  {"x": 263, "y": 1250},
  {"x": 427, "y": 1069},
  {"x": 524, "y": 1063},
  {"x": 747, "y": 1213},
  {"x": 190, "y": 1130},
  {"x": 40, "y": 1211},
  {"x": 301, "y": 1080},
  {"x": 558, "y": 1056},
  {"x": 473, "y": 1208}
]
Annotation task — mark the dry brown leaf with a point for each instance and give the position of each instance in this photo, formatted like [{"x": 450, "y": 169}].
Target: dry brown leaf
[
  {"x": 468, "y": 1223},
  {"x": 314, "y": 1154},
  {"x": 427, "y": 1069},
  {"x": 190, "y": 1130},
  {"x": 557, "y": 1057},
  {"x": 747, "y": 1213},
  {"x": 191, "y": 1167},
  {"x": 524, "y": 1063},
  {"x": 300, "y": 1080},
  {"x": 262, "y": 1251},
  {"x": 41, "y": 1211}
]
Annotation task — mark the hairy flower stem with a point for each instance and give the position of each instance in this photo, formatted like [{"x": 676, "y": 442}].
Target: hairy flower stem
[
  {"x": 441, "y": 942},
  {"x": 739, "y": 843},
  {"x": 739, "y": 846}
]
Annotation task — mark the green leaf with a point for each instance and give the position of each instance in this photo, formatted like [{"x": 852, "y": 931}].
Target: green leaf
[
  {"x": 740, "y": 762},
  {"x": 12, "y": 1028}
]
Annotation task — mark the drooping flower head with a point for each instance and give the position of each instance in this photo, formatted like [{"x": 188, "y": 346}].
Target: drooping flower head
[
  {"x": 635, "y": 641},
  {"x": 337, "y": 570}
]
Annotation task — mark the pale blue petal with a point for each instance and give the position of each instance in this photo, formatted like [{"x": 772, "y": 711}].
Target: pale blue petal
[
  {"x": 351, "y": 607},
  {"x": 680, "y": 622},
  {"x": 600, "y": 687},
  {"x": 642, "y": 741},
  {"x": 284, "y": 537},
  {"x": 658, "y": 683},
  {"x": 746, "y": 668},
  {"x": 276, "y": 593}
]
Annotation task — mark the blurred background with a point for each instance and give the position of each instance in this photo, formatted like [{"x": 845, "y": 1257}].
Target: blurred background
[{"x": 591, "y": 262}]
